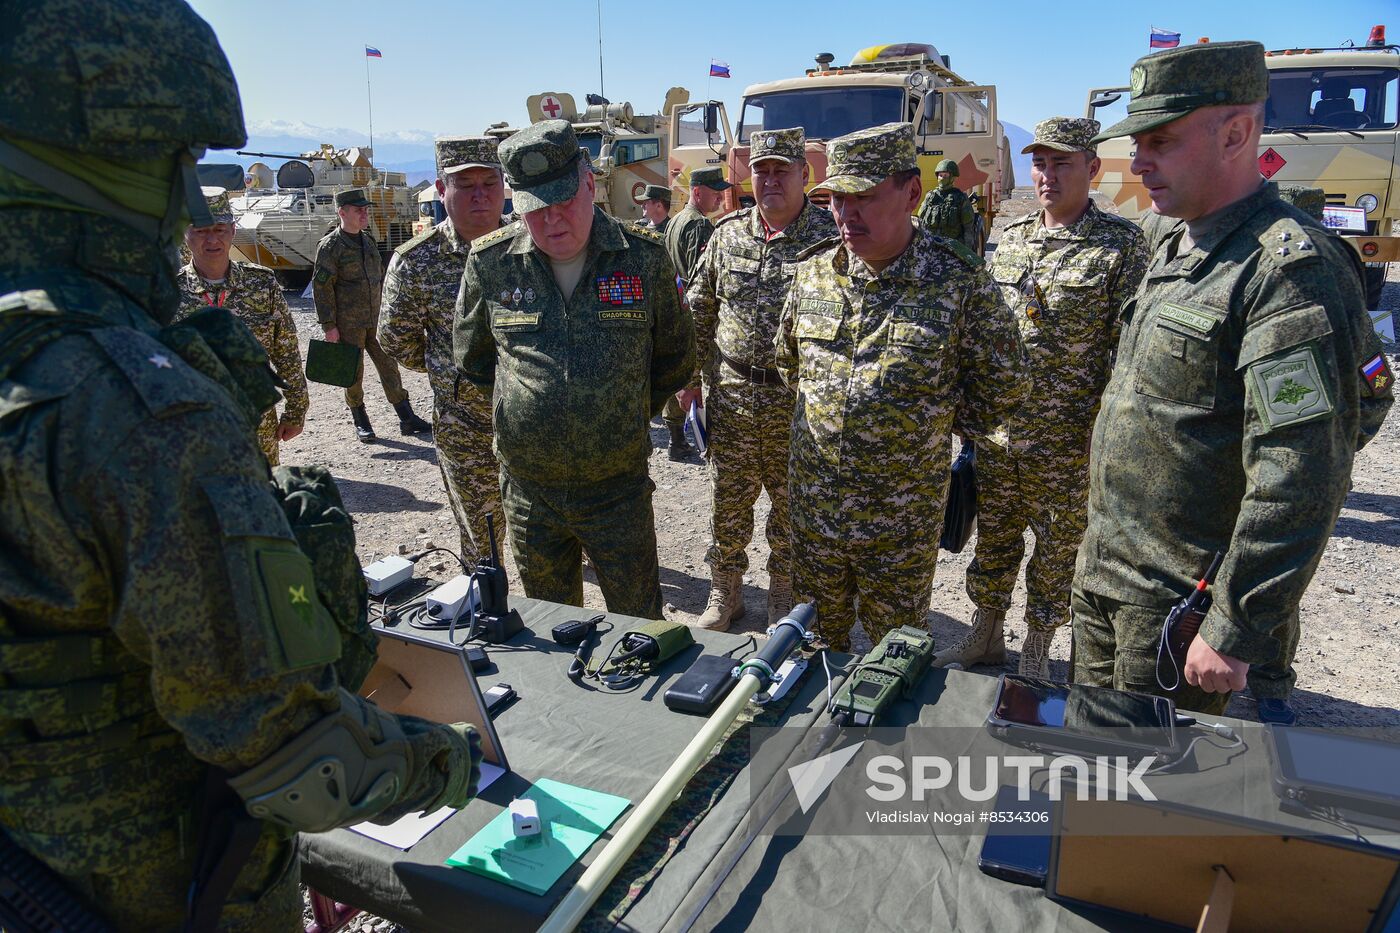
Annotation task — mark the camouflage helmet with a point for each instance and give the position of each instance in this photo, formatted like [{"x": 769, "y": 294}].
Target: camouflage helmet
[
  {"x": 84, "y": 76},
  {"x": 947, "y": 165}
]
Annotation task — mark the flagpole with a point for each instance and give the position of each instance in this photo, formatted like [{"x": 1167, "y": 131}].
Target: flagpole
[{"x": 369, "y": 96}]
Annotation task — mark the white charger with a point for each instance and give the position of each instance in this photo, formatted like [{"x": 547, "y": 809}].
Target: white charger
[
  {"x": 383, "y": 575},
  {"x": 524, "y": 817}
]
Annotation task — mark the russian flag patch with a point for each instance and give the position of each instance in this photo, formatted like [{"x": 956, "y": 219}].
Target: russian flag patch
[{"x": 1376, "y": 372}]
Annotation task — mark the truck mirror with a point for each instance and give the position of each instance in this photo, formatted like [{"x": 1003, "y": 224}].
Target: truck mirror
[
  {"x": 711, "y": 118},
  {"x": 1106, "y": 100}
]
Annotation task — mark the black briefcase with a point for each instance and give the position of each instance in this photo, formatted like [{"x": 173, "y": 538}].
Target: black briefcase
[{"x": 960, "y": 514}]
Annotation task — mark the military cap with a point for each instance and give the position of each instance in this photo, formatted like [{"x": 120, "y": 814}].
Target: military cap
[
  {"x": 1064, "y": 134},
  {"x": 789, "y": 145},
  {"x": 861, "y": 160},
  {"x": 352, "y": 197},
  {"x": 219, "y": 208},
  {"x": 455, "y": 153},
  {"x": 1169, "y": 85},
  {"x": 656, "y": 193},
  {"x": 541, "y": 165},
  {"x": 947, "y": 165},
  {"x": 711, "y": 176},
  {"x": 1308, "y": 200}
]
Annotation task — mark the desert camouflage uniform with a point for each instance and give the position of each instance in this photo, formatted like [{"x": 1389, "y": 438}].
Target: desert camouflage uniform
[
  {"x": 1066, "y": 288},
  {"x": 736, "y": 300},
  {"x": 949, "y": 212},
  {"x": 573, "y": 386},
  {"x": 346, "y": 286},
  {"x": 420, "y": 298},
  {"x": 254, "y": 296}
]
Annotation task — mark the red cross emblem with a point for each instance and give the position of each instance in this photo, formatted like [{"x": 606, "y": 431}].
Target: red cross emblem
[{"x": 551, "y": 106}]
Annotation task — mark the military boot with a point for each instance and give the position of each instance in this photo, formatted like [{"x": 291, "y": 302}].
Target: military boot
[
  {"x": 779, "y": 598},
  {"x": 409, "y": 423},
  {"x": 982, "y": 645},
  {"x": 679, "y": 448},
  {"x": 362, "y": 426},
  {"x": 1035, "y": 651},
  {"x": 726, "y": 603}
]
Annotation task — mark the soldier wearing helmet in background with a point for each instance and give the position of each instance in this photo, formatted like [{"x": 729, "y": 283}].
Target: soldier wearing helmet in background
[
  {"x": 170, "y": 662},
  {"x": 948, "y": 211}
]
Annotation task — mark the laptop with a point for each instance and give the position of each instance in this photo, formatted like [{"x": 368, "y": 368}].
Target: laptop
[{"x": 417, "y": 675}]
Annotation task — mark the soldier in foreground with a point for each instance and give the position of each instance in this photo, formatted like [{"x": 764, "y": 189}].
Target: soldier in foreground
[
  {"x": 892, "y": 339},
  {"x": 346, "y": 285},
  {"x": 736, "y": 298},
  {"x": 1066, "y": 271},
  {"x": 165, "y": 641},
  {"x": 947, "y": 210},
  {"x": 1247, "y": 378},
  {"x": 252, "y": 294},
  {"x": 656, "y": 208},
  {"x": 570, "y": 323},
  {"x": 415, "y": 328}
]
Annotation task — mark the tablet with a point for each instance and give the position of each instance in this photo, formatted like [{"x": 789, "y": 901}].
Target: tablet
[{"x": 1322, "y": 768}]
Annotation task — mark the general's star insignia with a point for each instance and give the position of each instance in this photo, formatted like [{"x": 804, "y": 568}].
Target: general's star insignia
[{"x": 160, "y": 361}]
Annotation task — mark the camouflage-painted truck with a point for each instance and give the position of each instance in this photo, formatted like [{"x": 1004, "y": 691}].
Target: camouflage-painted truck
[
  {"x": 629, "y": 150},
  {"x": 1330, "y": 122},
  {"x": 953, "y": 119}
]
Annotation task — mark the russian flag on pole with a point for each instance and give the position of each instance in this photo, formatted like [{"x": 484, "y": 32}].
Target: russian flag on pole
[
  {"x": 372, "y": 52},
  {"x": 1162, "y": 39},
  {"x": 719, "y": 69}
]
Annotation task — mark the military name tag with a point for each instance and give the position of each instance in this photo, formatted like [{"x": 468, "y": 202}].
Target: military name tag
[
  {"x": 626, "y": 314},
  {"x": 1289, "y": 389},
  {"x": 1197, "y": 321},
  {"x": 819, "y": 306},
  {"x": 515, "y": 318}
]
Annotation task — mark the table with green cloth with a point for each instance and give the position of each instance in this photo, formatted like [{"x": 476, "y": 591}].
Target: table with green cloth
[{"x": 621, "y": 743}]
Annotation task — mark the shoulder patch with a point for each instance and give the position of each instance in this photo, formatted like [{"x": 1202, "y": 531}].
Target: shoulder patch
[
  {"x": 155, "y": 371},
  {"x": 499, "y": 235},
  {"x": 1289, "y": 388},
  {"x": 1287, "y": 242},
  {"x": 408, "y": 245}
]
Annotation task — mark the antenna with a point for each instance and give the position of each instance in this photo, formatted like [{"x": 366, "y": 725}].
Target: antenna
[{"x": 601, "y": 91}]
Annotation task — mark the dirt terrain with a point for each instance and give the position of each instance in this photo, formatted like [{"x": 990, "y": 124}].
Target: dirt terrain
[{"x": 1348, "y": 665}]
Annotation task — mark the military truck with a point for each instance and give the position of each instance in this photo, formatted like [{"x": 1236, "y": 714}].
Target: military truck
[
  {"x": 279, "y": 224},
  {"x": 953, "y": 119},
  {"x": 1331, "y": 123},
  {"x": 628, "y": 150}
]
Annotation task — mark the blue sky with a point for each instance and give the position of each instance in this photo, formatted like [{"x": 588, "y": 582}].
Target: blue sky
[{"x": 455, "y": 67}]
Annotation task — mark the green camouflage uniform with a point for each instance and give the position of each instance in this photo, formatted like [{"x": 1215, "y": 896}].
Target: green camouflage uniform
[
  {"x": 415, "y": 328},
  {"x": 885, "y": 366},
  {"x": 949, "y": 212},
  {"x": 1232, "y": 417},
  {"x": 346, "y": 286},
  {"x": 736, "y": 299},
  {"x": 1066, "y": 287},
  {"x": 254, "y": 296},
  {"x": 156, "y": 615},
  {"x": 573, "y": 384},
  {"x": 686, "y": 238}
]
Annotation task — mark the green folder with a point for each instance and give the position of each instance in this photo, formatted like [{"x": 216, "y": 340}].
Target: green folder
[{"x": 571, "y": 819}]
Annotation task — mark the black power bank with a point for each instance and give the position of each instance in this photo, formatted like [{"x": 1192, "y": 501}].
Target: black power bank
[{"x": 702, "y": 686}]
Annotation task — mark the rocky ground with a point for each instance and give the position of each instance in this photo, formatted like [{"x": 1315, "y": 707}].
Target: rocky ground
[{"x": 1348, "y": 665}]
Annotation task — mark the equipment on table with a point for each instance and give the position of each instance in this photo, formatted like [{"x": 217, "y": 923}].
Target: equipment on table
[
  {"x": 1087, "y": 720},
  {"x": 891, "y": 670},
  {"x": 1011, "y": 851},
  {"x": 643, "y": 650},
  {"x": 706, "y": 682},
  {"x": 1334, "y": 776},
  {"x": 1182, "y": 624},
  {"x": 755, "y": 673}
]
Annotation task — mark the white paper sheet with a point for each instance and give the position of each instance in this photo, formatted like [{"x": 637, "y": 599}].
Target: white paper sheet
[{"x": 408, "y": 830}]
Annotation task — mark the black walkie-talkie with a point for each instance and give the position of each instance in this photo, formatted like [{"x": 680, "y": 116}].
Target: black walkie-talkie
[{"x": 495, "y": 620}]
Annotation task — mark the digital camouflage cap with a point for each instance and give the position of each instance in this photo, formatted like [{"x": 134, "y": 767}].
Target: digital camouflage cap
[
  {"x": 83, "y": 75},
  {"x": 711, "y": 176},
  {"x": 220, "y": 210},
  {"x": 656, "y": 193},
  {"x": 947, "y": 165},
  {"x": 861, "y": 160},
  {"x": 1064, "y": 134},
  {"x": 541, "y": 164},
  {"x": 789, "y": 145},
  {"x": 351, "y": 197},
  {"x": 457, "y": 153},
  {"x": 1310, "y": 201},
  {"x": 1168, "y": 85}
]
